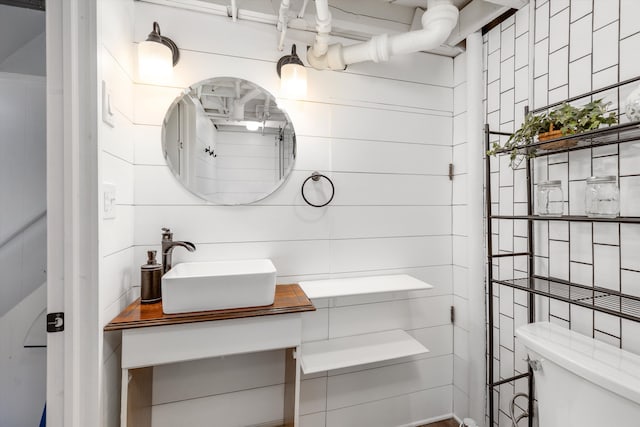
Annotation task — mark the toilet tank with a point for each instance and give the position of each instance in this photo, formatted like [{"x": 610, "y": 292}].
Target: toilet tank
[{"x": 581, "y": 382}]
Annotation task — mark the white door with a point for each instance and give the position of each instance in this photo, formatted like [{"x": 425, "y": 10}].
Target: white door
[
  {"x": 72, "y": 213},
  {"x": 55, "y": 207}
]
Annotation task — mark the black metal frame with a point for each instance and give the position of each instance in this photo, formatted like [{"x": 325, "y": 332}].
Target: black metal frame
[
  {"x": 491, "y": 281},
  {"x": 598, "y": 299}
]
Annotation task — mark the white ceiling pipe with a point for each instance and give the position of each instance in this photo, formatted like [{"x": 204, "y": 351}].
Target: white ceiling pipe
[
  {"x": 283, "y": 21},
  {"x": 250, "y": 95},
  {"x": 323, "y": 28},
  {"x": 303, "y": 9},
  {"x": 238, "y": 104},
  {"x": 234, "y": 10},
  {"x": 267, "y": 105},
  {"x": 283, "y": 34},
  {"x": 437, "y": 22},
  {"x": 283, "y": 14}
]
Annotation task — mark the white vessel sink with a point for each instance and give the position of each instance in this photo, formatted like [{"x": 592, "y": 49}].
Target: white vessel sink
[{"x": 203, "y": 286}]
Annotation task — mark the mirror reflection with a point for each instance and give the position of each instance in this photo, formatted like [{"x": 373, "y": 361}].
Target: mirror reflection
[{"x": 227, "y": 141}]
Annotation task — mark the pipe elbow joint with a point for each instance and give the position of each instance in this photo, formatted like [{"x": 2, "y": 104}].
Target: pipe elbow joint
[
  {"x": 441, "y": 15},
  {"x": 331, "y": 60},
  {"x": 438, "y": 21},
  {"x": 321, "y": 44}
]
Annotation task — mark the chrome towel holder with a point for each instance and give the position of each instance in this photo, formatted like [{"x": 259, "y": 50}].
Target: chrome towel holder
[{"x": 315, "y": 176}]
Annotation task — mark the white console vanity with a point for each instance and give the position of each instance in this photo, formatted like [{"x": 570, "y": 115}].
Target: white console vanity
[{"x": 151, "y": 338}]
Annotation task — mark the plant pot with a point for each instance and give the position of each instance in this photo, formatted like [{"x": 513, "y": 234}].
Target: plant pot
[{"x": 556, "y": 145}]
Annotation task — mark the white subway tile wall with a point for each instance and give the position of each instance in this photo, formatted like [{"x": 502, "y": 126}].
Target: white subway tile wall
[{"x": 579, "y": 46}]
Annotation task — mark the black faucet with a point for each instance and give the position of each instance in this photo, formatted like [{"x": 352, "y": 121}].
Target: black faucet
[{"x": 167, "y": 248}]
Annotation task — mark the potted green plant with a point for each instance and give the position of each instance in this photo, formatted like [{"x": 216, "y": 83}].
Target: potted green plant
[{"x": 563, "y": 120}]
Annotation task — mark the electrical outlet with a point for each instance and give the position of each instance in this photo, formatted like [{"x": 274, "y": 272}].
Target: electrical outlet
[
  {"x": 109, "y": 206},
  {"x": 108, "y": 115}
]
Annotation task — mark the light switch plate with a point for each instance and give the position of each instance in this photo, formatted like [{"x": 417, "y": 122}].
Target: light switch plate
[
  {"x": 108, "y": 115},
  {"x": 109, "y": 207}
]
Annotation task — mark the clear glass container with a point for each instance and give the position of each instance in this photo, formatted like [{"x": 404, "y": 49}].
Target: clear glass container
[
  {"x": 632, "y": 109},
  {"x": 550, "y": 198},
  {"x": 602, "y": 197}
]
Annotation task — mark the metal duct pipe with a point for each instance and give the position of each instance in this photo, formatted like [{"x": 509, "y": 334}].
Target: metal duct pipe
[{"x": 437, "y": 22}]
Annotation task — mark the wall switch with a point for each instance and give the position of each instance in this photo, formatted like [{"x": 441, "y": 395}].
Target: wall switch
[
  {"x": 108, "y": 115},
  {"x": 109, "y": 207}
]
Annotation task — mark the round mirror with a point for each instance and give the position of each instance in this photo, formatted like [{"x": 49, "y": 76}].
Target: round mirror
[{"x": 227, "y": 141}]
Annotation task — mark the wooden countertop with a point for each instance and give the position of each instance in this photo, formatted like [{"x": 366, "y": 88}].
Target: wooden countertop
[{"x": 288, "y": 299}]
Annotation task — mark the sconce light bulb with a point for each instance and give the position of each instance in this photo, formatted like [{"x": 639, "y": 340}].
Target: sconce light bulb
[
  {"x": 155, "y": 62},
  {"x": 293, "y": 81}
]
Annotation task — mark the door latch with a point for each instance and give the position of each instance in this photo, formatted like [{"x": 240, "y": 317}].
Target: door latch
[{"x": 55, "y": 322}]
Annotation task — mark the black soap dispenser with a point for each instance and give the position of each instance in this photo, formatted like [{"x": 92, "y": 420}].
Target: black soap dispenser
[{"x": 150, "y": 278}]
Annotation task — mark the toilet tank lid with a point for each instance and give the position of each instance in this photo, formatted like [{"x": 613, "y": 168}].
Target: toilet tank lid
[{"x": 607, "y": 366}]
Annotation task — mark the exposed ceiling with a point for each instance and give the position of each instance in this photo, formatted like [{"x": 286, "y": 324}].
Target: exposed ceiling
[
  {"x": 358, "y": 19},
  {"x": 231, "y": 102},
  {"x": 18, "y": 26}
]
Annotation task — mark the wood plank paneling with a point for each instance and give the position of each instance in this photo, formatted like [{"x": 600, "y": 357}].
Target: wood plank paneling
[
  {"x": 242, "y": 223},
  {"x": 389, "y": 381},
  {"x": 115, "y": 165},
  {"x": 383, "y": 133},
  {"x": 372, "y": 253},
  {"x": 399, "y": 410},
  {"x": 257, "y": 406},
  {"x": 156, "y": 185},
  {"x": 219, "y": 375},
  {"x": 390, "y": 157},
  {"x": 403, "y": 314},
  {"x": 291, "y": 258}
]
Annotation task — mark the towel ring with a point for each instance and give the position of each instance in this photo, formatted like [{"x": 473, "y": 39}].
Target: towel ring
[{"x": 316, "y": 177}]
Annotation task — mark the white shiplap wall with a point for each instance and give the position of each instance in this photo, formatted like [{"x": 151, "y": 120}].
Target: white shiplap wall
[
  {"x": 116, "y": 68},
  {"x": 459, "y": 230},
  {"x": 383, "y": 133}
]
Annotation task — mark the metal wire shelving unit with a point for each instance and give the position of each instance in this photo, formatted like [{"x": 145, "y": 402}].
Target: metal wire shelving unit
[{"x": 592, "y": 297}]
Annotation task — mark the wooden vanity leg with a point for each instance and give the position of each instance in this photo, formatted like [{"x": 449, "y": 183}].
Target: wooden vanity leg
[
  {"x": 292, "y": 387},
  {"x": 136, "y": 396}
]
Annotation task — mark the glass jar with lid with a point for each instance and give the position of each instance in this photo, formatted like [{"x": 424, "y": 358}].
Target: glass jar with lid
[
  {"x": 602, "y": 197},
  {"x": 550, "y": 198}
]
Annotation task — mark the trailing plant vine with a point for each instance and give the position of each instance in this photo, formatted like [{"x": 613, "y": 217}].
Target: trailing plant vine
[{"x": 568, "y": 119}]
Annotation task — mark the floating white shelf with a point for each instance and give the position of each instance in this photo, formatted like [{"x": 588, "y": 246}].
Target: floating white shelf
[
  {"x": 362, "y": 285},
  {"x": 356, "y": 350}
]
